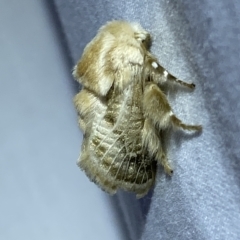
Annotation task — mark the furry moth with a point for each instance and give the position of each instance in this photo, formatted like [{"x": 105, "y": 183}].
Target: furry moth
[{"x": 122, "y": 109}]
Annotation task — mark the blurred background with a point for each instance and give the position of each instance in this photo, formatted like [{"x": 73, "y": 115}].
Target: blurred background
[{"x": 43, "y": 194}]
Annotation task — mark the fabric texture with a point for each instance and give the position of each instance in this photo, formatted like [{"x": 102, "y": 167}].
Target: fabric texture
[{"x": 196, "y": 41}]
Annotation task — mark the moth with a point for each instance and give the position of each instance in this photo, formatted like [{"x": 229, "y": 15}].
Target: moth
[{"x": 122, "y": 109}]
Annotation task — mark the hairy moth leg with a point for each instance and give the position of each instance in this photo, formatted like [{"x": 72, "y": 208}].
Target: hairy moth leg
[
  {"x": 162, "y": 75},
  {"x": 152, "y": 142},
  {"x": 157, "y": 108},
  {"x": 162, "y": 158},
  {"x": 169, "y": 77}
]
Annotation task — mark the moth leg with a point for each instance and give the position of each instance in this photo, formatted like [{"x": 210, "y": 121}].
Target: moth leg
[
  {"x": 152, "y": 142},
  {"x": 169, "y": 77},
  {"x": 162, "y": 158},
  {"x": 161, "y": 75},
  {"x": 157, "y": 108}
]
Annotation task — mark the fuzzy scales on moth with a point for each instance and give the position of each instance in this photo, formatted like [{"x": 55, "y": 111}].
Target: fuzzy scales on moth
[{"x": 122, "y": 109}]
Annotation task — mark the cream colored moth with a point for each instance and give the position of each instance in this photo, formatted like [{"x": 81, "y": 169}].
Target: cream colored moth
[{"x": 122, "y": 109}]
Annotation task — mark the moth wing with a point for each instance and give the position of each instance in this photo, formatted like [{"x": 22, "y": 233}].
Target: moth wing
[
  {"x": 112, "y": 153},
  {"x": 107, "y": 61},
  {"x": 126, "y": 64},
  {"x": 87, "y": 105}
]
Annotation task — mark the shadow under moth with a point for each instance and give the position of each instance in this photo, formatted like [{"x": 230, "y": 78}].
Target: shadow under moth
[{"x": 122, "y": 109}]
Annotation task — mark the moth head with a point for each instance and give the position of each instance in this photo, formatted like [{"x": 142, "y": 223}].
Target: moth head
[
  {"x": 144, "y": 39},
  {"x": 131, "y": 32},
  {"x": 142, "y": 35}
]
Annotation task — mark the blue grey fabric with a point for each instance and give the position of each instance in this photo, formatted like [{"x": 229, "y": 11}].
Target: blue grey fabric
[{"x": 196, "y": 41}]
